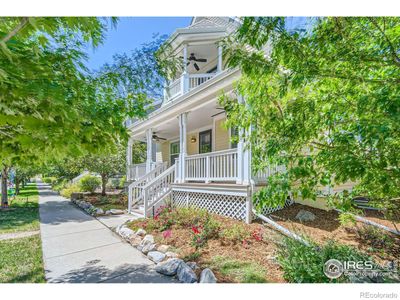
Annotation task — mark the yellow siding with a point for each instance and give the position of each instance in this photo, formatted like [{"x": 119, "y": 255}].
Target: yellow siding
[
  {"x": 192, "y": 148},
  {"x": 320, "y": 202},
  {"x": 165, "y": 151},
  {"x": 221, "y": 136}
]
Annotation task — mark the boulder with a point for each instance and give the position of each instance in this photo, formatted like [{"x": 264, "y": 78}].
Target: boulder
[
  {"x": 156, "y": 256},
  {"x": 107, "y": 213},
  {"x": 186, "y": 274},
  {"x": 305, "y": 216},
  {"x": 141, "y": 232},
  {"x": 148, "y": 239},
  {"x": 169, "y": 267},
  {"x": 163, "y": 248},
  {"x": 126, "y": 232},
  {"x": 99, "y": 212},
  {"x": 193, "y": 265},
  {"x": 171, "y": 254},
  {"x": 114, "y": 211},
  {"x": 207, "y": 276},
  {"x": 135, "y": 240},
  {"x": 148, "y": 247}
]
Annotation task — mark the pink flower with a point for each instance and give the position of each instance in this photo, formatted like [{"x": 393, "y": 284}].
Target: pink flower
[
  {"x": 167, "y": 233},
  {"x": 195, "y": 230}
]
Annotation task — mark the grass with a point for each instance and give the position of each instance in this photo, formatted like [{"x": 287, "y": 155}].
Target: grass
[
  {"x": 23, "y": 214},
  {"x": 21, "y": 260},
  {"x": 239, "y": 271}
]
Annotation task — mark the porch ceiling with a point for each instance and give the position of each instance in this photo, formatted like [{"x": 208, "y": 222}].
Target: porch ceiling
[{"x": 198, "y": 118}]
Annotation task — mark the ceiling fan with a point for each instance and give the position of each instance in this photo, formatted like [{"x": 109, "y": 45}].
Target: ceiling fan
[
  {"x": 157, "y": 138},
  {"x": 192, "y": 58}
]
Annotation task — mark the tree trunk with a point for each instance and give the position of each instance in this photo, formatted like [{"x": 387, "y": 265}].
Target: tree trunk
[
  {"x": 103, "y": 184},
  {"x": 17, "y": 184},
  {"x": 4, "y": 178}
]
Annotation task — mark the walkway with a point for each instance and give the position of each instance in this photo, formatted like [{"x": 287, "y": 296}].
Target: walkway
[{"x": 80, "y": 248}]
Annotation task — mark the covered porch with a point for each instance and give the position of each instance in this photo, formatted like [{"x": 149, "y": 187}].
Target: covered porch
[{"x": 199, "y": 146}]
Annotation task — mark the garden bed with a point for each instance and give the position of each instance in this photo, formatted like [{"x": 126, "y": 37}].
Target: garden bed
[
  {"x": 381, "y": 245},
  {"x": 239, "y": 252},
  {"x": 97, "y": 204}
]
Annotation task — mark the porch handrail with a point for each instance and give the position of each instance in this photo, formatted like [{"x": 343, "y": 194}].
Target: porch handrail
[
  {"x": 212, "y": 166},
  {"x": 135, "y": 171},
  {"x": 157, "y": 189},
  {"x": 135, "y": 189}
]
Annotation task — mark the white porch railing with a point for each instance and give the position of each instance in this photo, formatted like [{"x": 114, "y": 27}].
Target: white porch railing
[
  {"x": 136, "y": 171},
  {"x": 157, "y": 190},
  {"x": 184, "y": 84},
  {"x": 196, "y": 80},
  {"x": 263, "y": 175},
  {"x": 135, "y": 189},
  {"x": 212, "y": 166}
]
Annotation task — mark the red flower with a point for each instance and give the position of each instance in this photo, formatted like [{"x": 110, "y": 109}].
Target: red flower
[{"x": 195, "y": 230}]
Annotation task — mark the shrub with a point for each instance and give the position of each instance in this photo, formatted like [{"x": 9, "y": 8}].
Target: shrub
[
  {"x": 122, "y": 182},
  {"x": 60, "y": 184},
  {"x": 89, "y": 183},
  {"x": 50, "y": 180},
  {"x": 305, "y": 264},
  {"x": 189, "y": 216},
  {"x": 69, "y": 189},
  {"x": 237, "y": 233}
]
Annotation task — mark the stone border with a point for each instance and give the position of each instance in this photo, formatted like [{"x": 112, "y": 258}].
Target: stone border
[
  {"x": 93, "y": 210},
  {"x": 167, "y": 262}
]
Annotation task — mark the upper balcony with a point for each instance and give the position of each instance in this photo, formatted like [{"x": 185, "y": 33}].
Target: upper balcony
[{"x": 201, "y": 58}]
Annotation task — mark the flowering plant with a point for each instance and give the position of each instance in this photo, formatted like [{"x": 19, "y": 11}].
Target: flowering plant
[
  {"x": 257, "y": 235},
  {"x": 167, "y": 233}
]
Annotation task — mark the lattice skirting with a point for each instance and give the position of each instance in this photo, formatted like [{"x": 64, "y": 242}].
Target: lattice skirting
[
  {"x": 270, "y": 210},
  {"x": 221, "y": 204},
  {"x": 225, "y": 205}
]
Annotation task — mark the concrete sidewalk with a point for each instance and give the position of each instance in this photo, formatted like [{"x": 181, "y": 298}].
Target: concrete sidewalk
[{"x": 79, "y": 248}]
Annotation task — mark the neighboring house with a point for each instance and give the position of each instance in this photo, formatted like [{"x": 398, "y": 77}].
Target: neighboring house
[{"x": 190, "y": 157}]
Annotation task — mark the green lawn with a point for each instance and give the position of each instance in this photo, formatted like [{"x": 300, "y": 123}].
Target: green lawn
[
  {"x": 21, "y": 260},
  {"x": 24, "y": 211}
]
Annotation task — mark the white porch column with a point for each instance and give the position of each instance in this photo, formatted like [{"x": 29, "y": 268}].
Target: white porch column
[
  {"x": 219, "y": 65},
  {"x": 185, "y": 75},
  {"x": 149, "y": 144},
  {"x": 244, "y": 155},
  {"x": 183, "y": 146},
  {"x": 129, "y": 159}
]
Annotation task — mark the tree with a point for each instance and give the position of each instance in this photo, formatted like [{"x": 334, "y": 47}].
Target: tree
[
  {"x": 106, "y": 165},
  {"x": 51, "y": 106},
  {"x": 323, "y": 100}
]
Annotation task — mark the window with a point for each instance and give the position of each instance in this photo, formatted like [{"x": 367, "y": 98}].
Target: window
[
  {"x": 174, "y": 152},
  {"x": 234, "y": 137},
  {"x": 205, "y": 141}
]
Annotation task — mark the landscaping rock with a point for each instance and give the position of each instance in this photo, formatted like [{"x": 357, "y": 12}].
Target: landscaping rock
[
  {"x": 148, "y": 239},
  {"x": 99, "y": 212},
  {"x": 148, "y": 247},
  {"x": 156, "y": 256},
  {"x": 126, "y": 232},
  {"x": 141, "y": 232},
  {"x": 108, "y": 213},
  {"x": 135, "y": 240},
  {"x": 163, "y": 248},
  {"x": 193, "y": 265},
  {"x": 207, "y": 276},
  {"x": 114, "y": 211},
  {"x": 305, "y": 216},
  {"x": 171, "y": 254},
  {"x": 186, "y": 274},
  {"x": 169, "y": 267}
]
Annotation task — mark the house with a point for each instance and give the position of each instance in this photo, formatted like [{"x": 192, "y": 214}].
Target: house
[{"x": 191, "y": 159}]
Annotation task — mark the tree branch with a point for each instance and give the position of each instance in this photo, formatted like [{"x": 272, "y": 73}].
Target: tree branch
[
  {"x": 18, "y": 28},
  {"x": 392, "y": 49}
]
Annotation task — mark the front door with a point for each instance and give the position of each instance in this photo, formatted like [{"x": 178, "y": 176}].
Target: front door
[{"x": 205, "y": 139}]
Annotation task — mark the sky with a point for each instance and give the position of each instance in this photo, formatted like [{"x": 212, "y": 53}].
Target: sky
[{"x": 130, "y": 33}]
